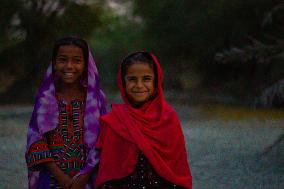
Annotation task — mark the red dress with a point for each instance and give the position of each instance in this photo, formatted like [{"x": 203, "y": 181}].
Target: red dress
[
  {"x": 153, "y": 129},
  {"x": 143, "y": 177},
  {"x": 63, "y": 145}
]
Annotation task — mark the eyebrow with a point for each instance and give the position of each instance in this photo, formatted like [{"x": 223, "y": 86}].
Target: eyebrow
[
  {"x": 63, "y": 55},
  {"x": 133, "y": 76},
  {"x": 130, "y": 76},
  {"x": 77, "y": 56},
  {"x": 59, "y": 55}
]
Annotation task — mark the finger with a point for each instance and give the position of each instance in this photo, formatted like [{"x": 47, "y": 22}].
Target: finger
[
  {"x": 68, "y": 185},
  {"x": 75, "y": 179}
]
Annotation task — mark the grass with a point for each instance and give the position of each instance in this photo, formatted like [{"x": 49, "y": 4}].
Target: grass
[
  {"x": 240, "y": 113},
  {"x": 13, "y": 127},
  {"x": 226, "y": 154}
]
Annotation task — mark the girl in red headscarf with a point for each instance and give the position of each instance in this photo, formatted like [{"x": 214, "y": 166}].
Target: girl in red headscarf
[{"x": 141, "y": 141}]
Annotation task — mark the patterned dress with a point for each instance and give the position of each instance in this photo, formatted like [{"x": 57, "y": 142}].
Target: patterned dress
[
  {"x": 144, "y": 177},
  {"x": 63, "y": 145}
]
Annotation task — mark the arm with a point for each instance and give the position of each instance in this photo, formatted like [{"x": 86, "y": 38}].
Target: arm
[
  {"x": 39, "y": 157},
  {"x": 38, "y": 154}
]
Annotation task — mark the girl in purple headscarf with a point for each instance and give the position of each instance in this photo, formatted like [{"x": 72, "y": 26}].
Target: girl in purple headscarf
[{"x": 64, "y": 125}]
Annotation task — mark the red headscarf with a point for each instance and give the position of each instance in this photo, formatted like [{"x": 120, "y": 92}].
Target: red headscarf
[{"x": 153, "y": 129}]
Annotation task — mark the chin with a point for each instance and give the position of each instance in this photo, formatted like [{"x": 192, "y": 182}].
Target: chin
[
  {"x": 139, "y": 102},
  {"x": 70, "y": 81}
]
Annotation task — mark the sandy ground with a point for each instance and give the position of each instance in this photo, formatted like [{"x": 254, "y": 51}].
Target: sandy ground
[{"x": 224, "y": 147}]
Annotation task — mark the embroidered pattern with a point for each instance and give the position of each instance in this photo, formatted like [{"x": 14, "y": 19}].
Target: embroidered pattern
[
  {"x": 64, "y": 145},
  {"x": 143, "y": 177}
]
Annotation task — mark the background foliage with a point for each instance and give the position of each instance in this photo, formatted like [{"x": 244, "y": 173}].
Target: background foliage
[{"x": 215, "y": 49}]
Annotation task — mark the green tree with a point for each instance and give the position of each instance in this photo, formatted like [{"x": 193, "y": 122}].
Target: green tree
[
  {"x": 188, "y": 34},
  {"x": 119, "y": 35},
  {"x": 31, "y": 27}
]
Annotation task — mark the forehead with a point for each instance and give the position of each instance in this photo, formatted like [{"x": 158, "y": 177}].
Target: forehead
[
  {"x": 70, "y": 50},
  {"x": 140, "y": 68}
]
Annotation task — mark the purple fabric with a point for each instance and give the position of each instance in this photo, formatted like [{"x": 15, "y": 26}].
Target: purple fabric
[{"x": 45, "y": 116}]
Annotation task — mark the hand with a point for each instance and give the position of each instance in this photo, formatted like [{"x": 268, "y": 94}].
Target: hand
[
  {"x": 80, "y": 182},
  {"x": 65, "y": 181}
]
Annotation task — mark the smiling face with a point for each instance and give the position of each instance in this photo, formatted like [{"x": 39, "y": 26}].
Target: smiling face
[
  {"x": 69, "y": 64},
  {"x": 139, "y": 83}
]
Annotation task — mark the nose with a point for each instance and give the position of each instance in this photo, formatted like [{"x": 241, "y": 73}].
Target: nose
[
  {"x": 139, "y": 83},
  {"x": 69, "y": 64}
]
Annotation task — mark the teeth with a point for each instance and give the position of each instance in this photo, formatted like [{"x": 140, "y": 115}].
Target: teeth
[{"x": 68, "y": 74}]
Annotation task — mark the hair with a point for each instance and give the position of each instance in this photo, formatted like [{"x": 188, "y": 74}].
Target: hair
[
  {"x": 76, "y": 41},
  {"x": 133, "y": 58}
]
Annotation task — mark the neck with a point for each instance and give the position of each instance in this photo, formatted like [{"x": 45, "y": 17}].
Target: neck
[
  {"x": 69, "y": 88},
  {"x": 69, "y": 91}
]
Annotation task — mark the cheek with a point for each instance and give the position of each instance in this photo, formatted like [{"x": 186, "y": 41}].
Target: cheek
[
  {"x": 127, "y": 88},
  {"x": 151, "y": 87},
  {"x": 56, "y": 68},
  {"x": 81, "y": 68}
]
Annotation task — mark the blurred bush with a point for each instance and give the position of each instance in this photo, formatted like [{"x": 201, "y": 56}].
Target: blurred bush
[{"x": 212, "y": 47}]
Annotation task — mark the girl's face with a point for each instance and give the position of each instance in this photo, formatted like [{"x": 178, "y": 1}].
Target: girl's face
[
  {"x": 69, "y": 64},
  {"x": 139, "y": 83}
]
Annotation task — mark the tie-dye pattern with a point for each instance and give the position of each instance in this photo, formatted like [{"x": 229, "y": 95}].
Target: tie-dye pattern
[{"x": 45, "y": 116}]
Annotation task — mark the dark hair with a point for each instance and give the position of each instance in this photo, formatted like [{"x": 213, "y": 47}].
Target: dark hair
[
  {"x": 82, "y": 44},
  {"x": 133, "y": 58}
]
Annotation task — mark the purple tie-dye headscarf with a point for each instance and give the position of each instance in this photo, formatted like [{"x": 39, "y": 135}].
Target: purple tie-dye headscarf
[{"x": 45, "y": 116}]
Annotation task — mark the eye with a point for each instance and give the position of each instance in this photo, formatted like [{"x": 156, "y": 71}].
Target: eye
[
  {"x": 78, "y": 61},
  {"x": 131, "y": 78},
  {"x": 147, "y": 78},
  {"x": 60, "y": 59}
]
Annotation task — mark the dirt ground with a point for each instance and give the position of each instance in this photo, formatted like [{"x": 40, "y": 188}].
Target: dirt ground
[{"x": 224, "y": 147}]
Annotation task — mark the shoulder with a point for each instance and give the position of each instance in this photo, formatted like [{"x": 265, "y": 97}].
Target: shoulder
[
  {"x": 170, "y": 113},
  {"x": 169, "y": 108},
  {"x": 116, "y": 109}
]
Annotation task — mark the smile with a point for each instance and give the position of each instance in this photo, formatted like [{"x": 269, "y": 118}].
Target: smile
[
  {"x": 68, "y": 74},
  {"x": 139, "y": 93}
]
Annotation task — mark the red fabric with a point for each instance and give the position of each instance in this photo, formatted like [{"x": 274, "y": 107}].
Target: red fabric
[{"x": 153, "y": 129}]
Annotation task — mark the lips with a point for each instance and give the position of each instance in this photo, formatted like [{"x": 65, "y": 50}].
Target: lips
[
  {"x": 139, "y": 93},
  {"x": 68, "y": 74}
]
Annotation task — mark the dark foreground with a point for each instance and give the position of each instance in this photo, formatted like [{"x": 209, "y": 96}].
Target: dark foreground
[{"x": 224, "y": 147}]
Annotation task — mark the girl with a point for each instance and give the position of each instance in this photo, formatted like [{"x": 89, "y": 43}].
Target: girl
[
  {"x": 141, "y": 141},
  {"x": 64, "y": 124}
]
